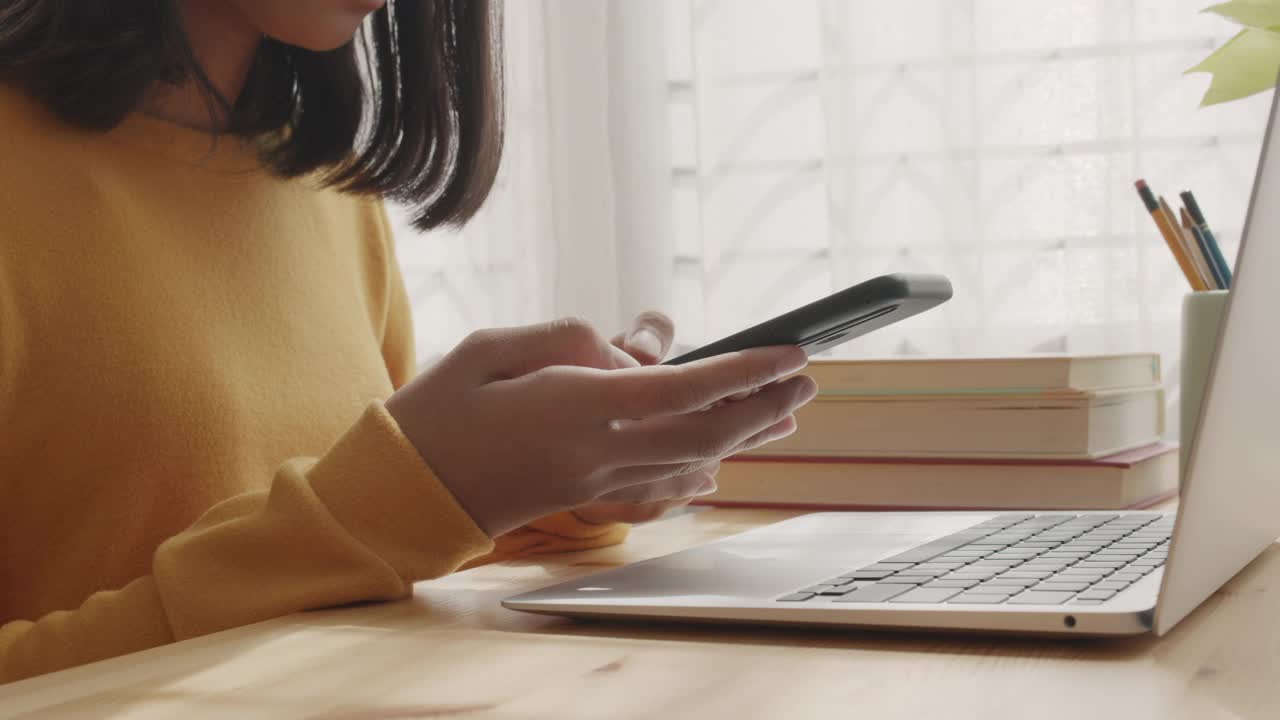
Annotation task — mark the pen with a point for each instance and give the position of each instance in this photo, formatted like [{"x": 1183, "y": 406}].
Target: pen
[
  {"x": 1188, "y": 244},
  {"x": 1171, "y": 236},
  {"x": 1203, "y": 248},
  {"x": 1215, "y": 252}
]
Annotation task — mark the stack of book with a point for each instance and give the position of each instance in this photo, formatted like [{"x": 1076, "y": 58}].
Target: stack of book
[{"x": 1069, "y": 432}]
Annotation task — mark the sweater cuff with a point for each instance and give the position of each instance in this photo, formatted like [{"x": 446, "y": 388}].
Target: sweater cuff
[
  {"x": 376, "y": 484},
  {"x": 562, "y": 532}
]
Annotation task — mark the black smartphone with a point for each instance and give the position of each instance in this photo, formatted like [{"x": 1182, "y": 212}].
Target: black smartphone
[{"x": 839, "y": 317}]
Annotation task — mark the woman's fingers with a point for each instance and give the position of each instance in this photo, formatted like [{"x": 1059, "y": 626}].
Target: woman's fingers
[
  {"x": 654, "y": 484},
  {"x": 678, "y": 389},
  {"x": 625, "y": 512},
  {"x": 783, "y": 428},
  {"x": 667, "y": 479},
  {"x": 506, "y": 353},
  {"x": 649, "y": 338},
  {"x": 735, "y": 397},
  {"x": 711, "y": 434}
]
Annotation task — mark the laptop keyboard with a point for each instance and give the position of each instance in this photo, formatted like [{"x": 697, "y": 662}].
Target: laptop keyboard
[{"x": 1013, "y": 559}]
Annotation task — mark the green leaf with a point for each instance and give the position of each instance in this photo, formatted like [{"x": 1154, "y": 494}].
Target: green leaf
[
  {"x": 1246, "y": 65},
  {"x": 1250, "y": 13}
]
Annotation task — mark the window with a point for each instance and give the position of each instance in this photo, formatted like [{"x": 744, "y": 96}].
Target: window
[{"x": 810, "y": 144}]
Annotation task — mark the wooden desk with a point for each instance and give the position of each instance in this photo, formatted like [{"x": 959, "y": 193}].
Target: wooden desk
[{"x": 452, "y": 652}]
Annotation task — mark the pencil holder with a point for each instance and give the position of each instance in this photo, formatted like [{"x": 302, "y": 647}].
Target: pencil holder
[{"x": 1201, "y": 318}]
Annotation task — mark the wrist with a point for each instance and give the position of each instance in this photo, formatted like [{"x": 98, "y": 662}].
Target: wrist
[{"x": 418, "y": 433}]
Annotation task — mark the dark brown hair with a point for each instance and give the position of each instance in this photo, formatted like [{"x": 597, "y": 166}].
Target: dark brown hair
[{"x": 411, "y": 109}]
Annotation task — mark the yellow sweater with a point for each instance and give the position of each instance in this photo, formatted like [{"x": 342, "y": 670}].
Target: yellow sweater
[{"x": 192, "y": 359}]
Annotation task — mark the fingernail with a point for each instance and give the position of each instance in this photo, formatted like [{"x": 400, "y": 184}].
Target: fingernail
[
  {"x": 785, "y": 432},
  {"x": 808, "y": 390},
  {"x": 792, "y": 361},
  {"x": 646, "y": 341}
]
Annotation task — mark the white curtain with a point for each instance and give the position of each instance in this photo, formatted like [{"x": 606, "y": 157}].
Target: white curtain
[
  {"x": 580, "y": 220},
  {"x": 724, "y": 160}
]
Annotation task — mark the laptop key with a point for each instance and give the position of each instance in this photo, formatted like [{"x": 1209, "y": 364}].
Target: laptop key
[
  {"x": 907, "y": 580},
  {"x": 1024, "y": 574},
  {"x": 1033, "y": 597},
  {"x": 815, "y": 589},
  {"x": 997, "y": 542},
  {"x": 880, "y": 592},
  {"x": 919, "y": 571},
  {"x": 796, "y": 597},
  {"x": 1097, "y": 594},
  {"x": 951, "y": 557},
  {"x": 1059, "y": 586},
  {"x": 1126, "y": 576},
  {"x": 1003, "y": 562},
  {"x": 971, "y": 574},
  {"x": 952, "y": 583},
  {"x": 1041, "y": 566},
  {"x": 1079, "y": 576},
  {"x": 1010, "y": 582},
  {"x": 869, "y": 574},
  {"x": 925, "y": 595},
  {"x": 933, "y": 549},
  {"x": 978, "y": 597},
  {"x": 886, "y": 566},
  {"x": 1111, "y": 585}
]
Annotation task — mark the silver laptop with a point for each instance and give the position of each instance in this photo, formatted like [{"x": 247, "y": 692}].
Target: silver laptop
[{"x": 1083, "y": 573}]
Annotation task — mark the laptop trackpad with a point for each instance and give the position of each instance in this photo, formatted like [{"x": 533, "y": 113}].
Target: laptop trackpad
[{"x": 763, "y": 563}]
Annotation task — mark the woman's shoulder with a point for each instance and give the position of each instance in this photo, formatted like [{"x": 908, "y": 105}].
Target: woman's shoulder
[
  {"x": 24, "y": 119},
  {"x": 34, "y": 141}
]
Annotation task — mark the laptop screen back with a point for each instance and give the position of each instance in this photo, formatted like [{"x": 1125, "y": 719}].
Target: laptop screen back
[{"x": 1230, "y": 509}]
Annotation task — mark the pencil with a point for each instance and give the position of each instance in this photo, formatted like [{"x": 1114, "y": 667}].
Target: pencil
[
  {"x": 1202, "y": 248},
  {"x": 1215, "y": 252},
  {"x": 1170, "y": 235},
  {"x": 1188, "y": 244}
]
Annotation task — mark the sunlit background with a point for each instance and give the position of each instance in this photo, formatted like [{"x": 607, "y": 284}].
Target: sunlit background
[{"x": 726, "y": 160}]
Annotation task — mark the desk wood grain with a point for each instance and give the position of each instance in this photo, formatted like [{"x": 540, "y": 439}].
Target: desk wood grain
[{"x": 452, "y": 652}]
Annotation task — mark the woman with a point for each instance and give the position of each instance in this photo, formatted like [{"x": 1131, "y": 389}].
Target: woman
[{"x": 208, "y": 414}]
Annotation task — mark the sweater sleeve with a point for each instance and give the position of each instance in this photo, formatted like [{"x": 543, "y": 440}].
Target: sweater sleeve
[
  {"x": 329, "y": 531},
  {"x": 562, "y": 532}
]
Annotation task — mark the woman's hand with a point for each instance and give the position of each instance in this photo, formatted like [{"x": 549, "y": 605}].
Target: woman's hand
[
  {"x": 601, "y": 512},
  {"x": 520, "y": 423},
  {"x": 647, "y": 341}
]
